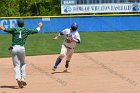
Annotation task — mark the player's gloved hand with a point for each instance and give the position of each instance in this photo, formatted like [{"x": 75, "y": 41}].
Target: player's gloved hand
[
  {"x": 10, "y": 48},
  {"x": 68, "y": 40}
]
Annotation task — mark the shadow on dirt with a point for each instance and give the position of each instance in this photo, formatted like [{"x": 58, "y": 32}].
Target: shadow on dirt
[{"x": 12, "y": 87}]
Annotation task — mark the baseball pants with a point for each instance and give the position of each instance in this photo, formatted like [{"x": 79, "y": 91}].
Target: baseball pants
[
  {"x": 18, "y": 57},
  {"x": 67, "y": 52}
]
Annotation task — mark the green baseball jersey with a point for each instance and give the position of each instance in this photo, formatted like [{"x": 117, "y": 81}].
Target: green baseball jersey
[{"x": 20, "y": 34}]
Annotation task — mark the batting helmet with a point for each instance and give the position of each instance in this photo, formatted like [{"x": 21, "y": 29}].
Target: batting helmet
[
  {"x": 74, "y": 26},
  {"x": 20, "y": 22}
]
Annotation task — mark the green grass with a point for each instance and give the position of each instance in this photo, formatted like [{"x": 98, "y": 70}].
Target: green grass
[{"x": 42, "y": 44}]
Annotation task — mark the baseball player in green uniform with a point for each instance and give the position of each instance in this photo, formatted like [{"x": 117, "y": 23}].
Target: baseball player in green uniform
[{"x": 19, "y": 36}]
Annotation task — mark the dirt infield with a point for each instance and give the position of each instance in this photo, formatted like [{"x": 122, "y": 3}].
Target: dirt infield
[{"x": 96, "y": 72}]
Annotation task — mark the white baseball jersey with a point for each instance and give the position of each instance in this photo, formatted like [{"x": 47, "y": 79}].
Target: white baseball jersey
[{"x": 71, "y": 35}]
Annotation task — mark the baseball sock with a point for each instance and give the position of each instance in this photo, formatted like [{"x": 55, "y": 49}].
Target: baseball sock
[
  {"x": 67, "y": 64},
  {"x": 58, "y": 61}
]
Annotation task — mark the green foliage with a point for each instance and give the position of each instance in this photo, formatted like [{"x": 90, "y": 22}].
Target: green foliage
[
  {"x": 24, "y": 7},
  {"x": 17, "y": 8},
  {"x": 51, "y": 7},
  {"x": 9, "y": 8}
]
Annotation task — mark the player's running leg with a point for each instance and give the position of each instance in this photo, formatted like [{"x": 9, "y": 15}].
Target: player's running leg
[
  {"x": 21, "y": 56},
  {"x": 61, "y": 56},
  {"x": 66, "y": 66},
  {"x": 68, "y": 58},
  {"x": 16, "y": 64}
]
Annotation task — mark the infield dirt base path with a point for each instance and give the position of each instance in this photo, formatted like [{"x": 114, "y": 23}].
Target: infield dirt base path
[{"x": 96, "y": 72}]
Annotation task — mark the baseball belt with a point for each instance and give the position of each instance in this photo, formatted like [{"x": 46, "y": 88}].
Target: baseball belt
[{"x": 68, "y": 47}]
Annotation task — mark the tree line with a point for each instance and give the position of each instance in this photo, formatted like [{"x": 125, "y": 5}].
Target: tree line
[{"x": 16, "y": 8}]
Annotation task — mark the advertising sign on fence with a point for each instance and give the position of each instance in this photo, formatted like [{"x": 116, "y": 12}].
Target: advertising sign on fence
[{"x": 70, "y": 7}]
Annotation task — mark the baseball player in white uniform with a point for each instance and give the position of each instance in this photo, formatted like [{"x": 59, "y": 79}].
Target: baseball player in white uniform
[{"x": 72, "y": 37}]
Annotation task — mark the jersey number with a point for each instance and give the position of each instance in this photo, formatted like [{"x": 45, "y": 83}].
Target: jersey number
[{"x": 20, "y": 35}]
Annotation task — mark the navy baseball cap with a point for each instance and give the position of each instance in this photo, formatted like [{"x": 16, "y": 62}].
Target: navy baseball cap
[{"x": 74, "y": 26}]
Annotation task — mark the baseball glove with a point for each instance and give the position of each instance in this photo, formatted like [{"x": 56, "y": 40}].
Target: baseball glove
[{"x": 68, "y": 40}]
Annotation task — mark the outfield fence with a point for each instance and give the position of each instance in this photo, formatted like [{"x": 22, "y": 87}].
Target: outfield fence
[{"x": 86, "y": 23}]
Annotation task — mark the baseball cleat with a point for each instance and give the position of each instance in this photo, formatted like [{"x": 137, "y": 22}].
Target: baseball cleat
[
  {"x": 65, "y": 70},
  {"x": 54, "y": 68},
  {"x": 23, "y": 83},
  {"x": 19, "y": 84}
]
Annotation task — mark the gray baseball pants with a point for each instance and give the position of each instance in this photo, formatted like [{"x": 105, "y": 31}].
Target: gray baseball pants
[{"x": 18, "y": 57}]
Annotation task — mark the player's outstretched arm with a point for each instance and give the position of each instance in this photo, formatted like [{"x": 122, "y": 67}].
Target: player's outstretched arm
[
  {"x": 56, "y": 37},
  {"x": 60, "y": 34},
  {"x": 2, "y": 28},
  {"x": 39, "y": 26}
]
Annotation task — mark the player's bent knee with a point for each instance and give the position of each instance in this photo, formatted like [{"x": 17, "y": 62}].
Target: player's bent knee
[{"x": 61, "y": 56}]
